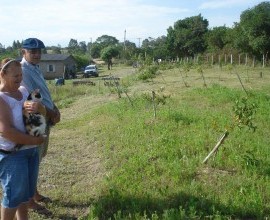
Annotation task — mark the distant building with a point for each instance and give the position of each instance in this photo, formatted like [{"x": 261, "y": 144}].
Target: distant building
[{"x": 57, "y": 66}]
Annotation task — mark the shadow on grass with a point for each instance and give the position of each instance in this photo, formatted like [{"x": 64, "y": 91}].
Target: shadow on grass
[
  {"x": 182, "y": 205},
  {"x": 69, "y": 205}
]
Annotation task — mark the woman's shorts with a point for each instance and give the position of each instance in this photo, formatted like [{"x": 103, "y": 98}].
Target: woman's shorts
[{"x": 18, "y": 176}]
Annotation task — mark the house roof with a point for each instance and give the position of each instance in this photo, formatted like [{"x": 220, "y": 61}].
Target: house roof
[
  {"x": 55, "y": 57},
  {"x": 51, "y": 57}
]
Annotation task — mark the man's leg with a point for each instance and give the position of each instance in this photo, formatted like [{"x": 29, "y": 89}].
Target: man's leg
[{"x": 42, "y": 153}]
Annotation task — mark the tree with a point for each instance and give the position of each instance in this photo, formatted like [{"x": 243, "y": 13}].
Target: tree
[
  {"x": 73, "y": 46},
  {"x": 108, "y": 53},
  {"x": 81, "y": 61},
  {"x": 171, "y": 35},
  {"x": 254, "y": 30},
  {"x": 129, "y": 49},
  {"x": 77, "y": 48},
  {"x": 186, "y": 38},
  {"x": 2, "y": 49},
  {"x": 95, "y": 50},
  {"x": 216, "y": 38},
  {"x": 16, "y": 45},
  {"x": 106, "y": 40},
  {"x": 83, "y": 47},
  {"x": 156, "y": 48},
  {"x": 160, "y": 50},
  {"x": 101, "y": 43},
  {"x": 56, "y": 49},
  {"x": 148, "y": 47}
]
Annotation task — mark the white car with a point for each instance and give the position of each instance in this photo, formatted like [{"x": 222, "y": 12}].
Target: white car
[{"x": 90, "y": 70}]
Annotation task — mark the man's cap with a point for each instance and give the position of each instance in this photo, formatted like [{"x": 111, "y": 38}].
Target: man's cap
[{"x": 32, "y": 43}]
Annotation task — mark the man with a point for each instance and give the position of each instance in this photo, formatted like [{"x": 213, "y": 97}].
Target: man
[{"x": 33, "y": 79}]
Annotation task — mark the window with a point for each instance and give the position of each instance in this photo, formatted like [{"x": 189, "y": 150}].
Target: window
[{"x": 50, "y": 68}]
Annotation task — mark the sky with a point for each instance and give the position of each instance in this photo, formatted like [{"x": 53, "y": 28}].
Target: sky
[{"x": 55, "y": 22}]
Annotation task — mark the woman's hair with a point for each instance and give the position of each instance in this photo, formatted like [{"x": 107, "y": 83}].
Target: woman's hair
[{"x": 6, "y": 62}]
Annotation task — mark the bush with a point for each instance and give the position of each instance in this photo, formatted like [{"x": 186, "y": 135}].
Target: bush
[{"x": 148, "y": 72}]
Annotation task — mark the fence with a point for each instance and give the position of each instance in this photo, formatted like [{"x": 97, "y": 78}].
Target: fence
[{"x": 224, "y": 59}]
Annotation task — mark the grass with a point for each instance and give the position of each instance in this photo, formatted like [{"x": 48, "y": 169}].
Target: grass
[
  {"x": 110, "y": 158},
  {"x": 156, "y": 165}
]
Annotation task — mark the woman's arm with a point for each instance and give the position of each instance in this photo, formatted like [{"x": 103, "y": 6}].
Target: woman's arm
[{"x": 8, "y": 131}]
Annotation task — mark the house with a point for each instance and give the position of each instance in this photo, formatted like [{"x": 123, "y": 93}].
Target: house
[{"x": 57, "y": 66}]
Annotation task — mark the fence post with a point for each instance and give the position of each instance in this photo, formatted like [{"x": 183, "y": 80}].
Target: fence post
[{"x": 239, "y": 57}]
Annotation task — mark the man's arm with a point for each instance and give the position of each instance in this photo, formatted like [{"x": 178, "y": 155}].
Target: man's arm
[
  {"x": 53, "y": 115},
  {"x": 27, "y": 83}
]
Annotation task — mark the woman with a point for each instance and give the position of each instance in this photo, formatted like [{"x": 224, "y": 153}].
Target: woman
[{"x": 18, "y": 169}]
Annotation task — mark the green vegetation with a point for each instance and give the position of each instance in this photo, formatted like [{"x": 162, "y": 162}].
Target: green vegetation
[
  {"x": 113, "y": 158},
  {"x": 155, "y": 164}
]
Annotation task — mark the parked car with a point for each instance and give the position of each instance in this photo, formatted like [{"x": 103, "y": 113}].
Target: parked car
[{"x": 90, "y": 70}]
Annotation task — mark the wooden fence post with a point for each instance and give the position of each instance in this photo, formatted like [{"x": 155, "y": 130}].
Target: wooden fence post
[
  {"x": 239, "y": 59},
  {"x": 154, "y": 104}
]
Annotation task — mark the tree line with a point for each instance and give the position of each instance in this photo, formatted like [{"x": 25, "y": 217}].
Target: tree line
[{"x": 189, "y": 37}]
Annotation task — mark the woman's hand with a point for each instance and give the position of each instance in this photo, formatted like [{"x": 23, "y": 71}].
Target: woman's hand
[
  {"x": 40, "y": 139},
  {"x": 34, "y": 107},
  {"x": 30, "y": 106}
]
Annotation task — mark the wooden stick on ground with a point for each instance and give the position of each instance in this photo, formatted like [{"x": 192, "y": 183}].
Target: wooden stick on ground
[
  {"x": 128, "y": 97},
  {"x": 154, "y": 105},
  {"x": 217, "y": 146}
]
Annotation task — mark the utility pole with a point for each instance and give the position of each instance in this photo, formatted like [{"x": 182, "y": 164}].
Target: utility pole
[
  {"x": 125, "y": 40},
  {"x": 139, "y": 41},
  {"x": 90, "y": 46}
]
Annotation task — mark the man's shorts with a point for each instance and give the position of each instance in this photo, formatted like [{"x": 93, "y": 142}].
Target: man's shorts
[{"x": 18, "y": 176}]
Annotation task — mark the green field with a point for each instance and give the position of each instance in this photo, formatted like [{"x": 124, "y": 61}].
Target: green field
[{"x": 119, "y": 153}]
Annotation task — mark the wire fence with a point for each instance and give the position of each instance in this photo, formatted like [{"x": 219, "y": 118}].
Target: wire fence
[{"x": 224, "y": 59}]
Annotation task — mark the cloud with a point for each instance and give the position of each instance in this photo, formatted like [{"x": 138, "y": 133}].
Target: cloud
[
  {"x": 56, "y": 22},
  {"x": 82, "y": 19},
  {"x": 223, "y": 4}
]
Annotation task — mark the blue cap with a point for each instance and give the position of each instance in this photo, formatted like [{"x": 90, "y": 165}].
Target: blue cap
[{"x": 33, "y": 43}]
